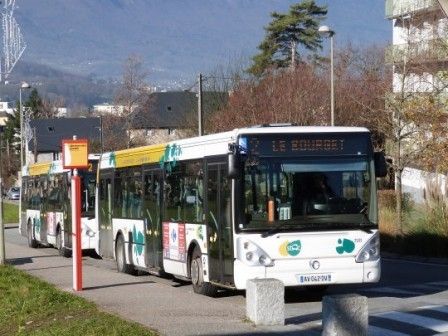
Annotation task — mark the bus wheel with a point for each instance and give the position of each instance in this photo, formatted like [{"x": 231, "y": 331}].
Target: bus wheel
[
  {"x": 61, "y": 249},
  {"x": 31, "y": 241},
  {"x": 197, "y": 279},
  {"x": 120, "y": 257}
]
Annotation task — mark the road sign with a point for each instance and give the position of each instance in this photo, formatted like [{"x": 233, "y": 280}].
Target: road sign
[{"x": 75, "y": 154}]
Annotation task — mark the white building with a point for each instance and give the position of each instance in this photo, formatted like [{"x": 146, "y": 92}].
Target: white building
[
  {"x": 106, "y": 108},
  {"x": 6, "y": 107},
  {"x": 419, "y": 45},
  {"x": 419, "y": 54},
  {"x": 60, "y": 112}
]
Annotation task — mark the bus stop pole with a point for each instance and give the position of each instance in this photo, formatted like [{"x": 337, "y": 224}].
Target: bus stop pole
[{"x": 76, "y": 231}]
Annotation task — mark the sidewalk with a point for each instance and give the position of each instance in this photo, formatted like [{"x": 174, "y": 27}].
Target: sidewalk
[{"x": 160, "y": 304}]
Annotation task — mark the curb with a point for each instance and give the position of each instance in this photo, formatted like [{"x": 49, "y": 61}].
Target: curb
[
  {"x": 11, "y": 226},
  {"x": 430, "y": 260}
]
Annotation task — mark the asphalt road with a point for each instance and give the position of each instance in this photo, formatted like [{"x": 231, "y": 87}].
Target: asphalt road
[{"x": 410, "y": 299}]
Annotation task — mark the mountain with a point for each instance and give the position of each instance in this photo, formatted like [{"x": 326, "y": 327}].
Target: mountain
[{"x": 176, "y": 38}]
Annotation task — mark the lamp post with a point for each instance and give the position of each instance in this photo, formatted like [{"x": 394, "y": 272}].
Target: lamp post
[
  {"x": 24, "y": 85},
  {"x": 325, "y": 31}
]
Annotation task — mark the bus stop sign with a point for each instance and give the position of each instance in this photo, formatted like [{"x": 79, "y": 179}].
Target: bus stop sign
[{"x": 75, "y": 154}]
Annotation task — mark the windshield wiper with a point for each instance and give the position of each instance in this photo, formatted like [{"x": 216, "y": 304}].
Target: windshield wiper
[
  {"x": 366, "y": 224},
  {"x": 274, "y": 230}
]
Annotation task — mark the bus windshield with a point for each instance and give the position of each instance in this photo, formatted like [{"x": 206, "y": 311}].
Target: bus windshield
[{"x": 307, "y": 193}]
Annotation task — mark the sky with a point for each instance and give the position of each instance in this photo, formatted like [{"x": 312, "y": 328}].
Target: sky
[{"x": 358, "y": 21}]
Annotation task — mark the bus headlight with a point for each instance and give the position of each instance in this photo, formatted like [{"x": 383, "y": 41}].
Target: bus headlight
[
  {"x": 370, "y": 251},
  {"x": 90, "y": 233},
  {"x": 252, "y": 255}
]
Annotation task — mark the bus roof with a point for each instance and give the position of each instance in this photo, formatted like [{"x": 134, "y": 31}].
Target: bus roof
[{"x": 203, "y": 146}]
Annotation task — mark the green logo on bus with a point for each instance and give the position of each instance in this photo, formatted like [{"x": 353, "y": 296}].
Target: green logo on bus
[
  {"x": 170, "y": 157},
  {"x": 345, "y": 245},
  {"x": 37, "y": 225},
  {"x": 139, "y": 240},
  {"x": 112, "y": 160},
  {"x": 290, "y": 248}
]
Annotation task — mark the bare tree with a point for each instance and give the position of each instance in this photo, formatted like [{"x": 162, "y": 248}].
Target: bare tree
[
  {"x": 133, "y": 93},
  {"x": 282, "y": 96},
  {"x": 404, "y": 104}
]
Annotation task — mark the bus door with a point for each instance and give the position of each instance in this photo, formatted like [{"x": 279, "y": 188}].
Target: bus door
[
  {"x": 41, "y": 224},
  {"x": 219, "y": 223},
  {"x": 152, "y": 195},
  {"x": 105, "y": 243}
]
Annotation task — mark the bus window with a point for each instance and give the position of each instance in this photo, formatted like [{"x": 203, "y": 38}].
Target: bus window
[
  {"x": 183, "y": 195},
  {"x": 88, "y": 183},
  {"x": 172, "y": 195},
  {"x": 136, "y": 193}
]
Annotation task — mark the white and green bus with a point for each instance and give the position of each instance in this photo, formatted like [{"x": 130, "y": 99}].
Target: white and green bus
[
  {"x": 298, "y": 204},
  {"x": 46, "y": 208}
]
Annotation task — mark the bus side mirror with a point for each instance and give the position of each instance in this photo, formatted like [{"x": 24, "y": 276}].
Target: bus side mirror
[
  {"x": 234, "y": 166},
  {"x": 380, "y": 164}
]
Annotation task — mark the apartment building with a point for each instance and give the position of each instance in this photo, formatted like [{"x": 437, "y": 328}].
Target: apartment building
[{"x": 419, "y": 50}]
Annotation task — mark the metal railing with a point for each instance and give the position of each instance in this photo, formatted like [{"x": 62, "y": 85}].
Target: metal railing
[
  {"x": 397, "y": 8},
  {"x": 434, "y": 50}
]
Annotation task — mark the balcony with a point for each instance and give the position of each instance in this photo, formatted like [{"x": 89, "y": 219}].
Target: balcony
[
  {"x": 398, "y": 8},
  {"x": 435, "y": 50}
]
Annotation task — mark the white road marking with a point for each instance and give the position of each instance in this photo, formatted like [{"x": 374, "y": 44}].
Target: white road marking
[
  {"x": 425, "y": 287},
  {"x": 377, "y": 331},
  {"x": 390, "y": 290},
  {"x": 440, "y": 283},
  {"x": 427, "y": 322},
  {"x": 442, "y": 309}
]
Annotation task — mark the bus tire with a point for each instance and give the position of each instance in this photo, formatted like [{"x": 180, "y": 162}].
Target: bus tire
[
  {"x": 63, "y": 251},
  {"x": 120, "y": 257},
  {"x": 30, "y": 230},
  {"x": 196, "y": 275}
]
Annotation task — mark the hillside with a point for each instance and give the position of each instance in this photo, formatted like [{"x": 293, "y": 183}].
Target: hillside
[{"x": 177, "y": 38}]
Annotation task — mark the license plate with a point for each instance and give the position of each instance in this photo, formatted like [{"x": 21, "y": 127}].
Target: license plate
[{"x": 315, "y": 278}]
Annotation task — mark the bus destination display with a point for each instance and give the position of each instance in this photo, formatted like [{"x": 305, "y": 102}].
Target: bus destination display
[{"x": 305, "y": 144}]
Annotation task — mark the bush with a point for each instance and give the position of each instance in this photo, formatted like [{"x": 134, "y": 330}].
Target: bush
[{"x": 387, "y": 199}]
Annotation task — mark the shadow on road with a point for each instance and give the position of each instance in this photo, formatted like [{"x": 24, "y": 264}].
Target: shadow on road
[
  {"x": 118, "y": 285},
  {"x": 26, "y": 260}
]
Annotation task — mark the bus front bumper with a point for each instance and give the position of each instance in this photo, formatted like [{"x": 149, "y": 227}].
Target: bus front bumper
[{"x": 299, "y": 272}]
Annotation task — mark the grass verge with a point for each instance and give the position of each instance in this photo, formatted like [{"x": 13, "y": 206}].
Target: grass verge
[
  {"x": 29, "y": 306},
  {"x": 424, "y": 230},
  {"x": 10, "y": 213}
]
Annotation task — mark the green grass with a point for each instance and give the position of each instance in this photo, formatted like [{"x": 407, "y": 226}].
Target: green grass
[
  {"x": 425, "y": 231},
  {"x": 10, "y": 213},
  {"x": 29, "y": 306}
]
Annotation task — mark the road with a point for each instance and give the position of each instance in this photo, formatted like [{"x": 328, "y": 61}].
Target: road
[{"x": 411, "y": 298}]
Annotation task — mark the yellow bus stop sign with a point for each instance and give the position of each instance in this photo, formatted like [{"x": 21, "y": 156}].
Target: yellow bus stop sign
[{"x": 75, "y": 154}]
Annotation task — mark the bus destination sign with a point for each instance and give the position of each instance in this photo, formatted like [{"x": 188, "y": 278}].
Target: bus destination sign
[{"x": 305, "y": 144}]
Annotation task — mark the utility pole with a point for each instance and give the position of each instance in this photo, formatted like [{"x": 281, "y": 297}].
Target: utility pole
[
  {"x": 35, "y": 144},
  {"x": 200, "y": 116}
]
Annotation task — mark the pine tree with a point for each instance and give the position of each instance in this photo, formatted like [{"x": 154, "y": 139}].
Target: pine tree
[{"x": 286, "y": 33}]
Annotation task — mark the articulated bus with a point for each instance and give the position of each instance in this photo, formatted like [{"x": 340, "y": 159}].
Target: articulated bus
[
  {"x": 46, "y": 206},
  {"x": 297, "y": 204}
]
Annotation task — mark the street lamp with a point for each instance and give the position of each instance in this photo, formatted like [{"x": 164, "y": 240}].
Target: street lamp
[
  {"x": 24, "y": 85},
  {"x": 325, "y": 31}
]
